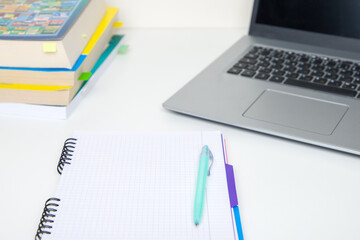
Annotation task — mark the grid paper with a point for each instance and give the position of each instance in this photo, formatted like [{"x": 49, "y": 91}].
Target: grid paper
[{"x": 132, "y": 186}]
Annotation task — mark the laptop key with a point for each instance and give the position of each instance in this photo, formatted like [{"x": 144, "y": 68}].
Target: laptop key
[
  {"x": 290, "y": 63},
  {"x": 278, "y": 54},
  {"x": 248, "y": 73},
  {"x": 320, "y": 80},
  {"x": 317, "y": 61},
  {"x": 263, "y": 64},
  {"x": 330, "y": 63},
  {"x": 304, "y": 58},
  {"x": 234, "y": 70},
  {"x": 278, "y": 72},
  {"x": 332, "y": 70},
  {"x": 326, "y": 88},
  {"x": 290, "y": 68},
  {"x": 303, "y": 71},
  {"x": 333, "y": 83},
  {"x": 357, "y": 74},
  {"x": 262, "y": 76},
  {"x": 332, "y": 76},
  {"x": 303, "y": 65},
  {"x": 346, "y": 79},
  {"x": 346, "y": 72},
  {"x": 307, "y": 78},
  {"x": 255, "y": 50},
  {"x": 292, "y": 75},
  {"x": 252, "y": 67},
  {"x": 248, "y": 60},
  {"x": 291, "y": 56},
  {"x": 345, "y": 65},
  {"x": 240, "y": 65},
  {"x": 265, "y": 70},
  {"x": 317, "y": 73},
  {"x": 266, "y": 52},
  {"x": 263, "y": 58},
  {"x": 355, "y": 68},
  {"x": 350, "y": 86},
  {"x": 276, "y": 79},
  {"x": 317, "y": 68},
  {"x": 252, "y": 56},
  {"x": 277, "y": 66},
  {"x": 278, "y": 61}
]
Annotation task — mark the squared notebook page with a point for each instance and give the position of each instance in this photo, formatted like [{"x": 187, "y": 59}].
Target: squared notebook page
[{"x": 141, "y": 186}]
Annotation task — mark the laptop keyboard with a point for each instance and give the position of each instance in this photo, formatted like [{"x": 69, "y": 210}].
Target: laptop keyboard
[{"x": 302, "y": 70}]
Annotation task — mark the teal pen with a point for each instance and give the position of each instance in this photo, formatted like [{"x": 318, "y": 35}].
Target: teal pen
[{"x": 203, "y": 172}]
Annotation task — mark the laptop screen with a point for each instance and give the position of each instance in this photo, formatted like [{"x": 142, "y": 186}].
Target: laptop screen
[{"x": 333, "y": 17}]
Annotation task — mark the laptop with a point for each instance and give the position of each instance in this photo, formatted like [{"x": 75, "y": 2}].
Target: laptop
[{"x": 296, "y": 75}]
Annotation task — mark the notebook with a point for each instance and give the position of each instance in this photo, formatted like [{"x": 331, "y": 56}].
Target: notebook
[{"x": 139, "y": 186}]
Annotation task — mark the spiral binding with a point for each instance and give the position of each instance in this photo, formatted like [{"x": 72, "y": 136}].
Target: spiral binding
[
  {"x": 47, "y": 217},
  {"x": 66, "y": 154}
]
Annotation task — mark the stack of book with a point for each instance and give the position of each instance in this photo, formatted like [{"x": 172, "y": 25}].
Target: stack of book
[{"x": 50, "y": 50}]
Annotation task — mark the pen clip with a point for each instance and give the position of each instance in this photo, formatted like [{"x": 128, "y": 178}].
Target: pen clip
[{"x": 211, "y": 159}]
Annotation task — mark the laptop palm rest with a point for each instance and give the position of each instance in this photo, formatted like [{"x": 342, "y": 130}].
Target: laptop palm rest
[{"x": 297, "y": 111}]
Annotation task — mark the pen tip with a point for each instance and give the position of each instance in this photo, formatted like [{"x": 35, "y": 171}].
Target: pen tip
[{"x": 196, "y": 224}]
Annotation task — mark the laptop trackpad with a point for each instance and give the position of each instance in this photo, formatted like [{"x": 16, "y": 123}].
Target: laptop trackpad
[{"x": 296, "y": 111}]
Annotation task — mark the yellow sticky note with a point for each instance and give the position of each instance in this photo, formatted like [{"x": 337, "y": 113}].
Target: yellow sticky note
[
  {"x": 105, "y": 22},
  {"x": 49, "y": 48},
  {"x": 33, "y": 87},
  {"x": 117, "y": 24}
]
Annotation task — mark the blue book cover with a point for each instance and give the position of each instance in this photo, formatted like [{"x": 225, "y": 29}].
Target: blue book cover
[{"x": 38, "y": 19}]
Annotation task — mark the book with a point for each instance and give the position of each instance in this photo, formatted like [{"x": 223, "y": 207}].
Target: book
[
  {"x": 46, "y": 33},
  {"x": 47, "y": 95},
  {"x": 64, "y": 76},
  {"x": 63, "y": 112},
  {"x": 139, "y": 186}
]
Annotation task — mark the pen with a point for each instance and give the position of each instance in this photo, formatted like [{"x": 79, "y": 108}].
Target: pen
[{"x": 205, "y": 156}]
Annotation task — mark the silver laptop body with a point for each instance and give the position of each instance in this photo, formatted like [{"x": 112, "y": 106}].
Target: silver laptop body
[{"x": 327, "y": 31}]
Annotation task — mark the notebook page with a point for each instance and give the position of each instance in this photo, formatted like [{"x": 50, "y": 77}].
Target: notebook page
[{"x": 133, "y": 186}]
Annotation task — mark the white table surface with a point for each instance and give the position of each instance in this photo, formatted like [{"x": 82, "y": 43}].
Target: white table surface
[{"x": 287, "y": 190}]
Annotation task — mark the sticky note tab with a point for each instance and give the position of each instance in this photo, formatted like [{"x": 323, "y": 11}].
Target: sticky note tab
[
  {"x": 117, "y": 24},
  {"x": 49, "y": 48},
  {"x": 231, "y": 185},
  {"x": 123, "y": 49},
  {"x": 31, "y": 87},
  {"x": 85, "y": 76}
]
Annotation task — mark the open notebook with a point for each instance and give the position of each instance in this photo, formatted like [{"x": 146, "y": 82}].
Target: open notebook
[{"x": 139, "y": 186}]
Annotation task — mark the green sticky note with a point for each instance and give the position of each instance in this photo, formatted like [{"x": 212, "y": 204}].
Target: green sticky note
[
  {"x": 85, "y": 76},
  {"x": 123, "y": 49},
  {"x": 49, "y": 48}
]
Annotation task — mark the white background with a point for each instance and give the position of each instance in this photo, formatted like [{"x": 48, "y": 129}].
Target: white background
[
  {"x": 286, "y": 190},
  {"x": 184, "y": 13}
]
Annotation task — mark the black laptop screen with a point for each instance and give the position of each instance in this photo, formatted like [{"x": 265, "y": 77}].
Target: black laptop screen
[{"x": 334, "y": 17}]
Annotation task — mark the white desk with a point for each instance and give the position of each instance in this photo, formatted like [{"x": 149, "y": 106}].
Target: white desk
[{"x": 286, "y": 190}]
